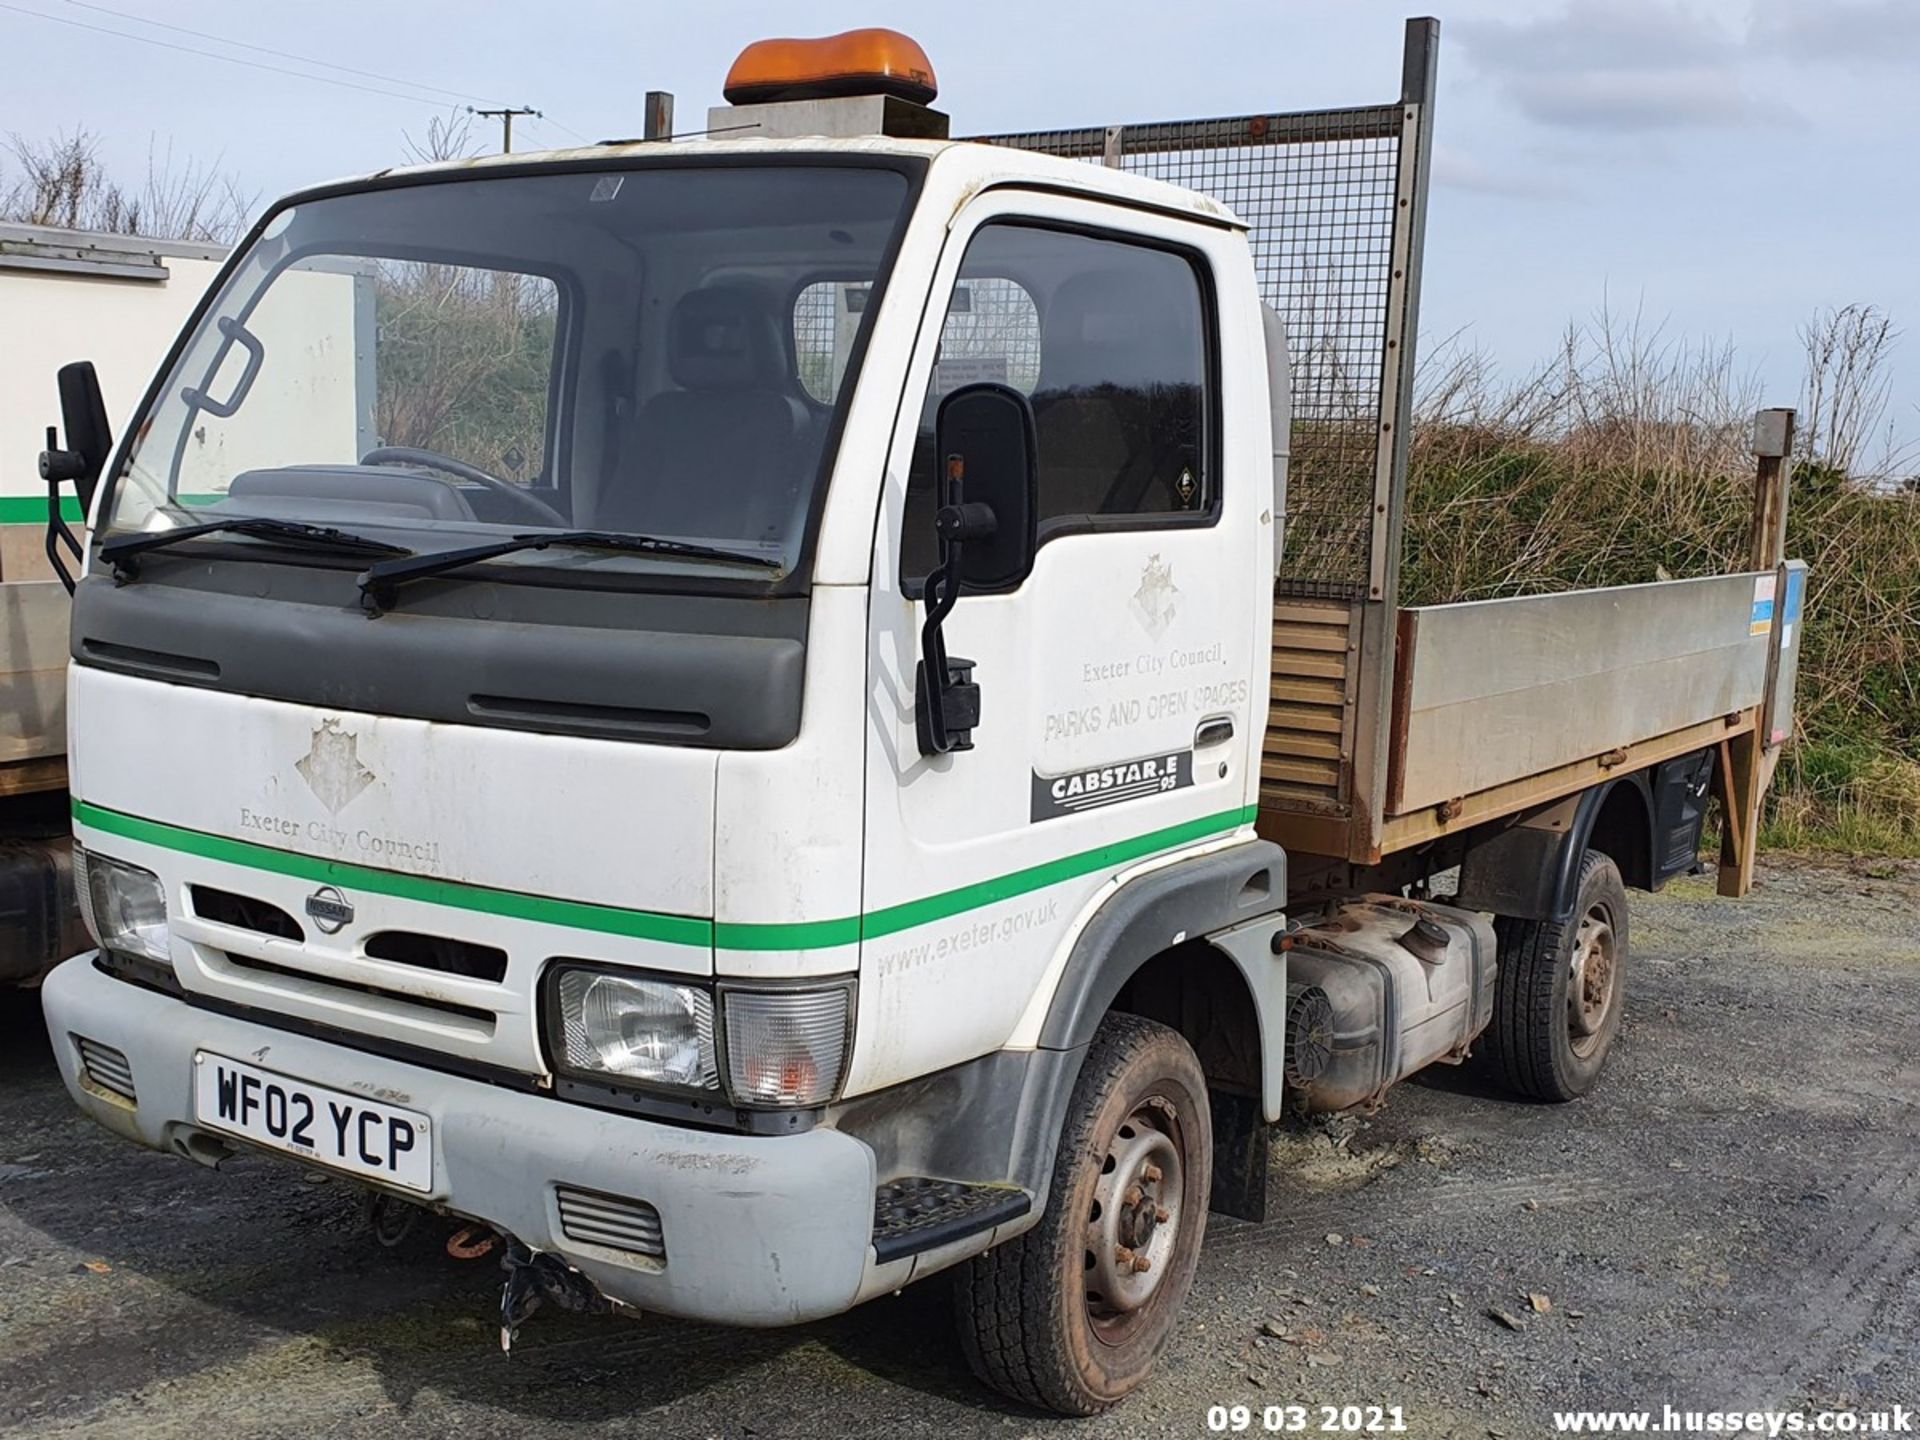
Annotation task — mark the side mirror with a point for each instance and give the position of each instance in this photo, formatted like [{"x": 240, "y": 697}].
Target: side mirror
[
  {"x": 83, "y": 413},
  {"x": 987, "y": 526},
  {"x": 984, "y": 438}
]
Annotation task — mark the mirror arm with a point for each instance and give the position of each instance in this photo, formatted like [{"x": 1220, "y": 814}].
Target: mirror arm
[
  {"x": 946, "y": 697},
  {"x": 57, "y": 465}
]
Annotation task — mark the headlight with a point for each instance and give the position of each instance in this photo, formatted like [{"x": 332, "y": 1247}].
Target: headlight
[
  {"x": 651, "y": 1031},
  {"x": 125, "y": 907},
  {"x": 786, "y": 1047}
]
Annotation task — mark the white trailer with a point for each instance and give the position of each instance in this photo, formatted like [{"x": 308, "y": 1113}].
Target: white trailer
[
  {"x": 120, "y": 300},
  {"x": 850, "y": 716}
]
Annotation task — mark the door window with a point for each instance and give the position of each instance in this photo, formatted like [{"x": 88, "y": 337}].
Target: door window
[{"x": 1108, "y": 339}]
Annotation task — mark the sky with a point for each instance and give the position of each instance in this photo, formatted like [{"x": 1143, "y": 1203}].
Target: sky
[{"x": 1719, "y": 168}]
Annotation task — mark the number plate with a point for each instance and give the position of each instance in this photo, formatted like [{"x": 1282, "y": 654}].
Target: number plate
[{"x": 363, "y": 1137}]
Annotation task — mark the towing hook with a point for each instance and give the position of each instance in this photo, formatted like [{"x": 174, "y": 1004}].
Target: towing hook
[{"x": 472, "y": 1242}]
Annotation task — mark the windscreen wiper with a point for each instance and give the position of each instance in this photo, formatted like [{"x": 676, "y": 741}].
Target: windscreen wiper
[
  {"x": 121, "y": 551},
  {"x": 379, "y": 582}
]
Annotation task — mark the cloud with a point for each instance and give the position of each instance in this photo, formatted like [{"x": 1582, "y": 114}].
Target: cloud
[
  {"x": 1624, "y": 34},
  {"x": 1457, "y": 170},
  {"x": 1863, "y": 32},
  {"x": 1625, "y": 65},
  {"x": 1636, "y": 99}
]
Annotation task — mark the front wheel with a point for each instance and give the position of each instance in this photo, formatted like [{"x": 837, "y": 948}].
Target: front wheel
[
  {"x": 1072, "y": 1315},
  {"x": 1560, "y": 990}
]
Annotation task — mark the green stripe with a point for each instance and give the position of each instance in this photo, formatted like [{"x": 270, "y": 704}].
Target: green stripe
[
  {"x": 606, "y": 919},
  {"x": 32, "y": 509},
  {"x": 875, "y": 923},
  {"x": 646, "y": 925}
]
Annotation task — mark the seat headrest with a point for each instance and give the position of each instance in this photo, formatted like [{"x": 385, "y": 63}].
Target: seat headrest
[
  {"x": 726, "y": 337},
  {"x": 1105, "y": 327}
]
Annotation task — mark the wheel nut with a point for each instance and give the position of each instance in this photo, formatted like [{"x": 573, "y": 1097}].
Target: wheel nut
[
  {"x": 1122, "y": 1256},
  {"x": 1151, "y": 1172},
  {"x": 1133, "y": 1191},
  {"x": 1141, "y": 1264},
  {"x": 1161, "y": 1215}
]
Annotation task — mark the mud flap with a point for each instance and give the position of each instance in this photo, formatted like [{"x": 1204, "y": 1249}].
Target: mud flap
[{"x": 1242, "y": 1144}]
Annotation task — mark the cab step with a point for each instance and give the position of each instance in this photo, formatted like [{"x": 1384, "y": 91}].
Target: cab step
[{"x": 920, "y": 1213}]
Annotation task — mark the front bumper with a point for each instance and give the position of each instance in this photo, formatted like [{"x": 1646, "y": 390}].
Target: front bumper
[{"x": 757, "y": 1230}]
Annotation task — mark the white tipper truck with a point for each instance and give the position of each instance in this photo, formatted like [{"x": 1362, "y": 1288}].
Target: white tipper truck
[{"x": 836, "y": 707}]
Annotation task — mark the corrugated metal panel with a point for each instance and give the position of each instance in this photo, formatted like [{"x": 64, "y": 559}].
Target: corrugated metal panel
[{"x": 1304, "y": 762}]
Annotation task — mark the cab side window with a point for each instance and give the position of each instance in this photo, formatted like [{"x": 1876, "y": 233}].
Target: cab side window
[{"x": 1108, "y": 339}]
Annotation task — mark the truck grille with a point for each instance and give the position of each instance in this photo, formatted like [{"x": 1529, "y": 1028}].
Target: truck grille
[
  {"x": 106, "y": 1067},
  {"x": 243, "y": 912},
  {"x": 614, "y": 1221},
  {"x": 402, "y": 1002}
]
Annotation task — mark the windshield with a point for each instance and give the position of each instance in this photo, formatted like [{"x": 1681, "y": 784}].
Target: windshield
[{"x": 657, "y": 352}]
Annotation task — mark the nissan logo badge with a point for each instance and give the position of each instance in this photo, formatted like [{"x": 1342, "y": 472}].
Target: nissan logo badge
[{"x": 330, "y": 910}]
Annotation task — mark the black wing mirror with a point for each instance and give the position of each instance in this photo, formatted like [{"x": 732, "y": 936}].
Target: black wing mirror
[
  {"x": 987, "y": 527},
  {"x": 83, "y": 413}
]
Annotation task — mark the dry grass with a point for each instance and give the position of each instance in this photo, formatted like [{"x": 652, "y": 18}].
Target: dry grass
[{"x": 1626, "y": 460}]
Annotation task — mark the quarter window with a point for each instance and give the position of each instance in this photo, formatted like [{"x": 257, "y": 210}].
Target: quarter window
[
  {"x": 826, "y": 322},
  {"x": 1108, "y": 339}
]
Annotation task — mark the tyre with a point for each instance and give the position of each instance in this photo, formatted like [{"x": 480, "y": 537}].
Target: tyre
[
  {"x": 409, "y": 1232},
  {"x": 1560, "y": 990},
  {"x": 1073, "y": 1314}
]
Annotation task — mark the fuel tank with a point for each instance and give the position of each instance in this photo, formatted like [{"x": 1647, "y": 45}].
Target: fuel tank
[{"x": 1405, "y": 983}]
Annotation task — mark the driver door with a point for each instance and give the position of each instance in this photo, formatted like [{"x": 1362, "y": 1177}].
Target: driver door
[{"x": 1117, "y": 678}]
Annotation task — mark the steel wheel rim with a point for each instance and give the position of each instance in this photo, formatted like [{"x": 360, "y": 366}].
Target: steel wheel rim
[
  {"x": 1134, "y": 1219},
  {"x": 1593, "y": 980}
]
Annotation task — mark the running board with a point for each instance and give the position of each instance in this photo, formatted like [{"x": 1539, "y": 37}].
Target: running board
[{"x": 919, "y": 1213}]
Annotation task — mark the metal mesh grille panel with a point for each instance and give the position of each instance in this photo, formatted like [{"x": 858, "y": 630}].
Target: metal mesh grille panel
[{"x": 1319, "y": 192}]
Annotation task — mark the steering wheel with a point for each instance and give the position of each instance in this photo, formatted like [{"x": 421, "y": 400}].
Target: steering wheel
[{"x": 460, "y": 469}]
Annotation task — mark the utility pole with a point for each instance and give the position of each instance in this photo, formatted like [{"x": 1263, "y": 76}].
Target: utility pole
[{"x": 505, "y": 117}]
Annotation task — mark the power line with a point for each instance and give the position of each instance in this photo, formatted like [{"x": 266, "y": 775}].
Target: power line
[
  {"x": 263, "y": 50},
  {"x": 219, "y": 39},
  {"x": 548, "y": 120},
  {"x": 568, "y": 129},
  {"x": 214, "y": 55}
]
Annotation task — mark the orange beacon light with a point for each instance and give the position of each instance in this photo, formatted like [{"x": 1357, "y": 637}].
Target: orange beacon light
[{"x": 860, "y": 62}]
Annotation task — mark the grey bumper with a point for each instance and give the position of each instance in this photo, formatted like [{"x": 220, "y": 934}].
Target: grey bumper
[{"x": 757, "y": 1231}]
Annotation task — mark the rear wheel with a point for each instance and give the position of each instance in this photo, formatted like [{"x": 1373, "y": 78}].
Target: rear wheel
[
  {"x": 1560, "y": 990},
  {"x": 1072, "y": 1315}
]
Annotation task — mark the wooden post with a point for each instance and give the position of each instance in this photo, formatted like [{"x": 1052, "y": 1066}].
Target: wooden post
[
  {"x": 1742, "y": 784},
  {"x": 1773, "y": 446},
  {"x": 1745, "y": 763}
]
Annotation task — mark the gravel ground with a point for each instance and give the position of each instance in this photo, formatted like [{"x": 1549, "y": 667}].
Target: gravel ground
[{"x": 1732, "y": 1220}]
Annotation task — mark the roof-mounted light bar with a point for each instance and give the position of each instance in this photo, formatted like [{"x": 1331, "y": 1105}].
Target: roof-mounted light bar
[{"x": 859, "y": 62}]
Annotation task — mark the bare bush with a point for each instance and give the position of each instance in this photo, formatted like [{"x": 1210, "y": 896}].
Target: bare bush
[
  {"x": 448, "y": 137},
  {"x": 1624, "y": 459},
  {"x": 1847, "y": 388},
  {"x": 464, "y": 356},
  {"x": 62, "y": 182}
]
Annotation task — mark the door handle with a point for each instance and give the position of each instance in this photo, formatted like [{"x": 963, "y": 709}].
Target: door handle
[{"x": 1213, "y": 732}]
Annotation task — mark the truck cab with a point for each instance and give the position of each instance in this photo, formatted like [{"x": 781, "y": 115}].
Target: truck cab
[{"x": 705, "y": 707}]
